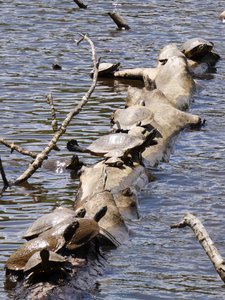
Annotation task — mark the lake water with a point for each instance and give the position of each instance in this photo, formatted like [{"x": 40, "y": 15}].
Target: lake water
[{"x": 157, "y": 263}]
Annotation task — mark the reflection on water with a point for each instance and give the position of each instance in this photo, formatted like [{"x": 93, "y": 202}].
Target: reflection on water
[{"x": 157, "y": 263}]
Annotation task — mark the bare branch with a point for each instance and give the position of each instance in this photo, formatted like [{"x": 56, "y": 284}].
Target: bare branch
[
  {"x": 53, "y": 113},
  {"x": 40, "y": 157},
  {"x": 19, "y": 149},
  {"x": 204, "y": 239}
]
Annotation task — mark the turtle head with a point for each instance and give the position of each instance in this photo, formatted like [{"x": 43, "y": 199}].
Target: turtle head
[
  {"x": 44, "y": 254},
  {"x": 73, "y": 146},
  {"x": 70, "y": 230},
  {"x": 100, "y": 214}
]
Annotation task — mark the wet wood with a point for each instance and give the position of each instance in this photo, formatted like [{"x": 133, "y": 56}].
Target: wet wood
[
  {"x": 206, "y": 242},
  {"x": 120, "y": 22},
  {"x": 80, "y": 4}
]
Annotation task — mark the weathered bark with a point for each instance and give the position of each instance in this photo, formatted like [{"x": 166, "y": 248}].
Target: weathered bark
[
  {"x": 176, "y": 82},
  {"x": 19, "y": 149},
  {"x": 52, "y": 144},
  {"x": 137, "y": 73},
  {"x": 204, "y": 239},
  {"x": 120, "y": 22}
]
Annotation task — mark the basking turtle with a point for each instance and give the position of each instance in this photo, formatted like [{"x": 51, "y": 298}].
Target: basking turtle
[
  {"x": 44, "y": 262},
  {"x": 89, "y": 229},
  {"x": 47, "y": 221},
  {"x": 107, "y": 69},
  {"x": 128, "y": 118},
  {"x": 196, "y": 48},
  {"x": 118, "y": 145},
  {"x": 56, "y": 242}
]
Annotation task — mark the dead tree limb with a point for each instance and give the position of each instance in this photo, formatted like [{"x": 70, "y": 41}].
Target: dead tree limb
[
  {"x": 206, "y": 242},
  {"x": 19, "y": 149},
  {"x": 80, "y": 4},
  {"x": 4, "y": 179},
  {"x": 51, "y": 145},
  {"x": 120, "y": 22},
  {"x": 53, "y": 113}
]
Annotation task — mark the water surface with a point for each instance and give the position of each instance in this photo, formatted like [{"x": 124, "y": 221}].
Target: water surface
[{"x": 156, "y": 263}]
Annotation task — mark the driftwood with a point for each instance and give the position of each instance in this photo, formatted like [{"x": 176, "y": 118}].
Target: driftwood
[
  {"x": 204, "y": 239},
  {"x": 17, "y": 148},
  {"x": 120, "y": 22},
  {"x": 39, "y": 158}
]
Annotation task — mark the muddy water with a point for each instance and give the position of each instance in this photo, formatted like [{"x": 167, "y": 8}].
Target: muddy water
[{"x": 156, "y": 263}]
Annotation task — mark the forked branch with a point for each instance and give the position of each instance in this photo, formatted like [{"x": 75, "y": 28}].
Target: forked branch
[{"x": 52, "y": 144}]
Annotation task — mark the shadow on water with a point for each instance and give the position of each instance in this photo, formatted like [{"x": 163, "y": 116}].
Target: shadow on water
[{"x": 157, "y": 263}]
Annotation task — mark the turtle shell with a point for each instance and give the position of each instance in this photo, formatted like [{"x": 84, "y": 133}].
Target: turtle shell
[
  {"x": 53, "y": 239},
  {"x": 130, "y": 117},
  {"x": 107, "y": 69},
  {"x": 38, "y": 263},
  {"x": 20, "y": 257},
  {"x": 48, "y": 221},
  {"x": 121, "y": 141},
  {"x": 196, "y": 48}
]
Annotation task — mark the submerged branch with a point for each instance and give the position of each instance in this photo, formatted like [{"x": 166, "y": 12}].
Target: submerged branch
[
  {"x": 119, "y": 21},
  {"x": 51, "y": 145},
  {"x": 204, "y": 239},
  {"x": 4, "y": 179}
]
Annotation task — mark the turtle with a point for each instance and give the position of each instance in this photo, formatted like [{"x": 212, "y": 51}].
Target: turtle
[
  {"x": 196, "y": 48},
  {"x": 59, "y": 218},
  {"x": 89, "y": 228},
  {"x": 44, "y": 262},
  {"x": 118, "y": 145},
  {"x": 49, "y": 220},
  {"x": 106, "y": 69},
  {"x": 55, "y": 243},
  {"x": 136, "y": 115},
  {"x": 60, "y": 165}
]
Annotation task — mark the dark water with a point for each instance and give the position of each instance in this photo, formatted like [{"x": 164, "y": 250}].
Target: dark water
[{"x": 156, "y": 263}]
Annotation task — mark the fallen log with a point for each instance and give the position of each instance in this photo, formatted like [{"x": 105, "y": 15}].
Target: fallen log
[
  {"x": 104, "y": 184},
  {"x": 204, "y": 239}
]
